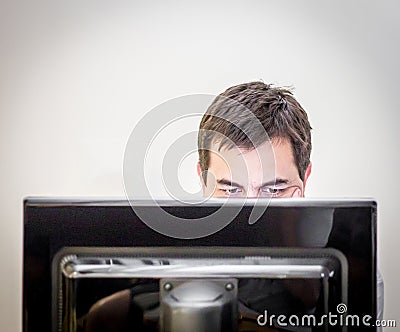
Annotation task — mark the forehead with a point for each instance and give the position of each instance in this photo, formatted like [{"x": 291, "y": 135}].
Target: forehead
[{"x": 272, "y": 159}]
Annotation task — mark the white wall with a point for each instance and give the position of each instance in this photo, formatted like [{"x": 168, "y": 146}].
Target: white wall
[{"x": 76, "y": 76}]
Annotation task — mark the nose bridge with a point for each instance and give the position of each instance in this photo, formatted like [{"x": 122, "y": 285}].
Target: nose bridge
[{"x": 252, "y": 191}]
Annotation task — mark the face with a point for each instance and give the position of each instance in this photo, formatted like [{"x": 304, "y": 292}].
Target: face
[{"x": 243, "y": 173}]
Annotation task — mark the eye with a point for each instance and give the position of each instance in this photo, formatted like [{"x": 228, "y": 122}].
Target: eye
[
  {"x": 232, "y": 191},
  {"x": 272, "y": 190}
]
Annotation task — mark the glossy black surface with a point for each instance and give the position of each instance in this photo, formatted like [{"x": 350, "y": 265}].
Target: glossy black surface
[{"x": 49, "y": 225}]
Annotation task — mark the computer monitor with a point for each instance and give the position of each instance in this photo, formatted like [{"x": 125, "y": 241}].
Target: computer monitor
[{"x": 303, "y": 259}]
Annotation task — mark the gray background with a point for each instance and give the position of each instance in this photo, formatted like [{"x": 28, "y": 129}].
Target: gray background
[{"x": 75, "y": 77}]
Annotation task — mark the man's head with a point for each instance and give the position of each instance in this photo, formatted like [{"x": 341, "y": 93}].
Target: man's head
[{"x": 237, "y": 135}]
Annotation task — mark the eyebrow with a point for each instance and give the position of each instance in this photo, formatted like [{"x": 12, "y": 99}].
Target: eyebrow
[
  {"x": 277, "y": 181},
  {"x": 229, "y": 183}
]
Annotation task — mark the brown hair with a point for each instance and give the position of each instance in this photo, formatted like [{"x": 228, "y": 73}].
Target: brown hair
[{"x": 280, "y": 115}]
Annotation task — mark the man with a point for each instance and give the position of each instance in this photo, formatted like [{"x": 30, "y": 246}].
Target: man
[
  {"x": 237, "y": 134},
  {"x": 254, "y": 141},
  {"x": 284, "y": 128}
]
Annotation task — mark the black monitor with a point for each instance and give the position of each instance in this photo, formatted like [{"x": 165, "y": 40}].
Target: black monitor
[{"x": 304, "y": 265}]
